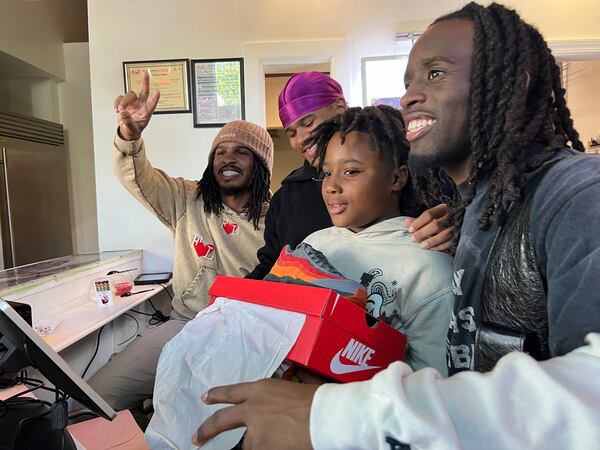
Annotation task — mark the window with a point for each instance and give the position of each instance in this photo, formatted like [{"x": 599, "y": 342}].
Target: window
[
  {"x": 383, "y": 80},
  {"x": 383, "y": 76}
]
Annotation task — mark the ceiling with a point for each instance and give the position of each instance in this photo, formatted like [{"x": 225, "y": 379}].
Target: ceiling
[
  {"x": 73, "y": 17},
  {"x": 73, "y": 25}
]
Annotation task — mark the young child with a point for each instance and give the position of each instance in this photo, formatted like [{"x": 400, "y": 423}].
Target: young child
[{"x": 363, "y": 156}]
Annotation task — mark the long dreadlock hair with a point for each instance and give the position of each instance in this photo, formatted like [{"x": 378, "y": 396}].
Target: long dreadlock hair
[
  {"x": 516, "y": 100},
  {"x": 210, "y": 191},
  {"x": 387, "y": 137}
]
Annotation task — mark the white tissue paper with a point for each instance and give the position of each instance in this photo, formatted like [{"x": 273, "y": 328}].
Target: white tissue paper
[{"x": 228, "y": 342}]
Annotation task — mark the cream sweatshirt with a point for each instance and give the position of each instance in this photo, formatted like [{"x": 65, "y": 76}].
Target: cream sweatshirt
[{"x": 206, "y": 245}]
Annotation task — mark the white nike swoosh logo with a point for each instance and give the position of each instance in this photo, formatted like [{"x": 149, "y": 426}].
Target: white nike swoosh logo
[{"x": 339, "y": 368}]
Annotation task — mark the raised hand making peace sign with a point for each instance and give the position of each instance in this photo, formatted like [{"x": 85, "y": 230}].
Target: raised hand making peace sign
[{"x": 134, "y": 111}]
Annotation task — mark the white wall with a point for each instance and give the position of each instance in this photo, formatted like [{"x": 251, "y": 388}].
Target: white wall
[
  {"x": 264, "y": 32},
  {"x": 76, "y": 115}
]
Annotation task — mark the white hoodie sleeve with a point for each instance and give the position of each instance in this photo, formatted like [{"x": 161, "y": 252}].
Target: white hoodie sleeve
[{"x": 521, "y": 404}]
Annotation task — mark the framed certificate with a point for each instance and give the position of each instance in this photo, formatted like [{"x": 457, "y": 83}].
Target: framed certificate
[
  {"x": 218, "y": 91},
  {"x": 169, "y": 76}
]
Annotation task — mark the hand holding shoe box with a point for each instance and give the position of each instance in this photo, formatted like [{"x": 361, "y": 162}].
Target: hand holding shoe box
[
  {"x": 251, "y": 327},
  {"x": 336, "y": 341}
]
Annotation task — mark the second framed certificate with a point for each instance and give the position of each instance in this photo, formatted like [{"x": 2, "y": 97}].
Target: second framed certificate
[
  {"x": 218, "y": 91},
  {"x": 170, "y": 77}
]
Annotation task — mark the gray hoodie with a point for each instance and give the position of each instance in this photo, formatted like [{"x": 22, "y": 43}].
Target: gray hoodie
[{"x": 408, "y": 287}]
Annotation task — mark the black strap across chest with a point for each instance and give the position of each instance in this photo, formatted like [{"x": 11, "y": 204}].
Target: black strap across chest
[{"x": 514, "y": 301}]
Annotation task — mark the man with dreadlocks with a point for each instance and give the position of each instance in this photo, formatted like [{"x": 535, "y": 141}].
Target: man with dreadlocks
[
  {"x": 217, "y": 224},
  {"x": 486, "y": 107},
  {"x": 483, "y": 106}
]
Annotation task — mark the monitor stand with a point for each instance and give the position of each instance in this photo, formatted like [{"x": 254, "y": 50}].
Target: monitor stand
[{"x": 42, "y": 427}]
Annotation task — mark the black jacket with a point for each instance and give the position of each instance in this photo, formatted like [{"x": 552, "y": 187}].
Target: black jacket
[{"x": 297, "y": 210}]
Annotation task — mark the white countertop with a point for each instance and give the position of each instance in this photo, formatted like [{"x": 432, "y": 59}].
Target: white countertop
[
  {"x": 23, "y": 278},
  {"x": 89, "y": 317}
]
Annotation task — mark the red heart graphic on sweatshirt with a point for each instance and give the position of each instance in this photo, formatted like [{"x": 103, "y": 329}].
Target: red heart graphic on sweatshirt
[
  {"x": 229, "y": 228},
  {"x": 203, "y": 250}
]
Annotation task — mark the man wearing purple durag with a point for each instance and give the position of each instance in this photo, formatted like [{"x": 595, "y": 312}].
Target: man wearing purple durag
[{"x": 297, "y": 208}]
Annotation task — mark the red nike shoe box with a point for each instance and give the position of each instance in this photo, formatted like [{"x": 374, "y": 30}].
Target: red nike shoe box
[{"x": 335, "y": 341}]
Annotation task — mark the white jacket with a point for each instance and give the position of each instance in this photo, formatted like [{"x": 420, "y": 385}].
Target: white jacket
[
  {"x": 521, "y": 404},
  {"x": 407, "y": 286}
]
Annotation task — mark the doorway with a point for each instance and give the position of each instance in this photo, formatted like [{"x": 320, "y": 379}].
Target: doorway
[
  {"x": 581, "y": 79},
  {"x": 579, "y": 61}
]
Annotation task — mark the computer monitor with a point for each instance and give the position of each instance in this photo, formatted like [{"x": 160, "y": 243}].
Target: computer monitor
[{"x": 28, "y": 349}]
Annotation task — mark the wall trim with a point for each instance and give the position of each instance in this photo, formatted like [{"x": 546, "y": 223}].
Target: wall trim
[
  {"x": 257, "y": 55},
  {"x": 581, "y": 49}
]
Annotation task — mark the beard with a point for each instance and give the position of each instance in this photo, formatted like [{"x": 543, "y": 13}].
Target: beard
[
  {"x": 441, "y": 156},
  {"x": 234, "y": 190},
  {"x": 421, "y": 165}
]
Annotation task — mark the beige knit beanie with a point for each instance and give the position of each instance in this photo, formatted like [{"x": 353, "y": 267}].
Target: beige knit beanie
[{"x": 250, "y": 135}]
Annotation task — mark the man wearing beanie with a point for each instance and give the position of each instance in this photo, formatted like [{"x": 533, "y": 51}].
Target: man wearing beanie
[
  {"x": 297, "y": 208},
  {"x": 217, "y": 224}
]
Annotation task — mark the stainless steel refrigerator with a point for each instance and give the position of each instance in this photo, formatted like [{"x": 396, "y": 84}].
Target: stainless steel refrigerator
[{"x": 35, "y": 220}]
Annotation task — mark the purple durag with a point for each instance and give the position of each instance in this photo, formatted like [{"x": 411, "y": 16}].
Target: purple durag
[{"x": 306, "y": 92}]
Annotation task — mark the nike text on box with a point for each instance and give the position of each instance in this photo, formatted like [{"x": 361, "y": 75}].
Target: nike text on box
[{"x": 335, "y": 341}]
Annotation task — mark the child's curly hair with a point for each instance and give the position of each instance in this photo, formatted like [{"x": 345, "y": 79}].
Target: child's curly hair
[{"x": 385, "y": 128}]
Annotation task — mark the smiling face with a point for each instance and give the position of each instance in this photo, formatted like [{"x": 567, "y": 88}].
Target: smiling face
[
  {"x": 435, "y": 106},
  {"x": 300, "y": 131},
  {"x": 232, "y": 167},
  {"x": 360, "y": 186}
]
